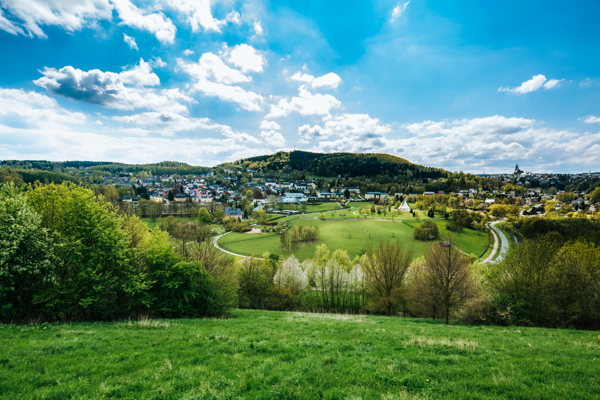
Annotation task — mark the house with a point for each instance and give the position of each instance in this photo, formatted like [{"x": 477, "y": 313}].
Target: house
[
  {"x": 294, "y": 198},
  {"x": 234, "y": 213},
  {"x": 180, "y": 198},
  {"x": 376, "y": 195},
  {"x": 324, "y": 195},
  {"x": 353, "y": 190},
  {"x": 126, "y": 199},
  {"x": 428, "y": 193}
]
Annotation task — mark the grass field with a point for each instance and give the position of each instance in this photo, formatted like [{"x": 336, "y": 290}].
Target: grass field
[
  {"x": 280, "y": 355},
  {"x": 351, "y": 235}
]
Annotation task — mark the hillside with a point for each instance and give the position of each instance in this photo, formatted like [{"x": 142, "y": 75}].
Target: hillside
[
  {"x": 344, "y": 164},
  {"x": 285, "y": 355}
]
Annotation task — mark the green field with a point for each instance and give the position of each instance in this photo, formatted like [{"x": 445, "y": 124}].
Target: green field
[
  {"x": 281, "y": 355},
  {"x": 351, "y": 235}
]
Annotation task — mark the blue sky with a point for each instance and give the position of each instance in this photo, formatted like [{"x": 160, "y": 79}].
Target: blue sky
[{"x": 464, "y": 85}]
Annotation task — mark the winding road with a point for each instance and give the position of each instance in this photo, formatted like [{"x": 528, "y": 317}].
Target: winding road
[{"x": 503, "y": 244}]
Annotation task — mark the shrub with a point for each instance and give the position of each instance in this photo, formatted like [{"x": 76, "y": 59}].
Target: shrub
[{"x": 426, "y": 231}]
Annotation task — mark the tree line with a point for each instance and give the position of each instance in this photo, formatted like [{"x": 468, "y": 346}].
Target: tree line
[{"x": 66, "y": 254}]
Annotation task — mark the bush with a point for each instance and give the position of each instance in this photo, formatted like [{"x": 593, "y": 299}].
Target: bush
[
  {"x": 185, "y": 289},
  {"x": 426, "y": 231}
]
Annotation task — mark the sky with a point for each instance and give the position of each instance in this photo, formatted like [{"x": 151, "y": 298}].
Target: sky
[{"x": 468, "y": 86}]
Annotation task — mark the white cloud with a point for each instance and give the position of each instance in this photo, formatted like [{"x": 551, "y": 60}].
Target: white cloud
[
  {"x": 140, "y": 75},
  {"x": 156, "y": 23},
  {"x": 300, "y": 77},
  {"x": 305, "y": 104},
  {"x": 258, "y": 29},
  {"x": 130, "y": 41},
  {"x": 8, "y": 26},
  {"x": 399, "y": 10},
  {"x": 69, "y": 15},
  {"x": 352, "y": 127},
  {"x": 535, "y": 83},
  {"x": 211, "y": 66},
  {"x": 188, "y": 52},
  {"x": 269, "y": 125},
  {"x": 123, "y": 145},
  {"x": 214, "y": 78},
  {"x": 273, "y": 139},
  {"x": 199, "y": 14},
  {"x": 113, "y": 90},
  {"x": 330, "y": 80},
  {"x": 36, "y": 110},
  {"x": 592, "y": 120},
  {"x": 491, "y": 143},
  {"x": 246, "y": 57}
]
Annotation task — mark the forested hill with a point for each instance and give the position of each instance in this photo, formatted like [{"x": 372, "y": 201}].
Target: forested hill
[{"x": 344, "y": 164}]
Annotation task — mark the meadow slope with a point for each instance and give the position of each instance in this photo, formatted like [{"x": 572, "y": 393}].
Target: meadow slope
[{"x": 288, "y": 355}]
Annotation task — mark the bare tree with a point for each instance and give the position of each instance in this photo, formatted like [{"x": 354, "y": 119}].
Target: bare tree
[
  {"x": 384, "y": 276},
  {"x": 443, "y": 281}
]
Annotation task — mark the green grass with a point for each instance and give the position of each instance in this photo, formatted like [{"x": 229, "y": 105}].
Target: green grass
[
  {"x": 280, "y": 355},
  {"x": 353, "y": 236}
]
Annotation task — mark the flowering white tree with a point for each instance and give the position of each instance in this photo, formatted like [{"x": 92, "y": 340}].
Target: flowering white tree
[{"x": 290, "y": 275}]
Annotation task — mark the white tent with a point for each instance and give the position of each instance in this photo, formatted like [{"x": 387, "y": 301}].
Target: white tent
[{"x": 404, "y": 207}]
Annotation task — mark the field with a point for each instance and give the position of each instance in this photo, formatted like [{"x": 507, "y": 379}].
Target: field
[
  {"x": 351, "y": 235},
  {"x": 280, "y": 355}
]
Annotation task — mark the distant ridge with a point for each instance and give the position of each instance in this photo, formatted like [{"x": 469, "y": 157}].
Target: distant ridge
[{"x": 341, "y": 164}]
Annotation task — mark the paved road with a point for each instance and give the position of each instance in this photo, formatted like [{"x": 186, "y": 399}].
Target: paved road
[
  {"x": 503, "y": 242},
  {"x": 229, "y": 252}
]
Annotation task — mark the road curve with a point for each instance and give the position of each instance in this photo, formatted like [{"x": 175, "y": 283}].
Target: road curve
[
  {"x": 229, "y": 252},
  {"x": 503, "y": 242}
]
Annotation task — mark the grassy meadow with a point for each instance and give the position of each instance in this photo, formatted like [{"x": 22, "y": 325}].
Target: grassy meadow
[
  {"x": 351, "y": 235},
  {"x": 285, "y": 355}
]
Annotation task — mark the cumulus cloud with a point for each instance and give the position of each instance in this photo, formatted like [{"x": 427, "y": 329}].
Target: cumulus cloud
[
  {"x": 533, "y": 84},
  {"x": 269, "y": 125},
  {"x": 491, "y": 143},
  {"x": 30, "y": 15},
  {"x": 154, "y": 22},
  {"x": 272, "y": 139},
  {"x": 592, "y": 120},
  {"x": 130, "y": 42},
  {"x": 125, "y": 91},
  {"x": 305, "y": 104},
  {"x": 211, "y": 66},
  {"x": 330, "y": 80},
  {"x": 199, "y": 15},
  {"x": 188, "y": 52},
  {"x": 354, "y": 127},
  {"x": 213, "y": 78},
  {"x": 399, "y": 10},
  {"x": 246, "y": 57}
]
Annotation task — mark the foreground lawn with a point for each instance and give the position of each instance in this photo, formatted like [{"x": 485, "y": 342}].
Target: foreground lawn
[
  {"x": 265, "y": 355},
  {"x": 351, "y": 235}
]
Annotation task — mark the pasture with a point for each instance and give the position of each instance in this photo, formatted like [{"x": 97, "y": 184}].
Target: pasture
[
  {"x": 353, "y": 236},
  {"x": 289, "y": 355}
]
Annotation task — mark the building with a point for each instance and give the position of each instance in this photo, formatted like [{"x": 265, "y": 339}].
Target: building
[
  {"x": 234, "y": 213},
  {"x": 376, "y": 195}
]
